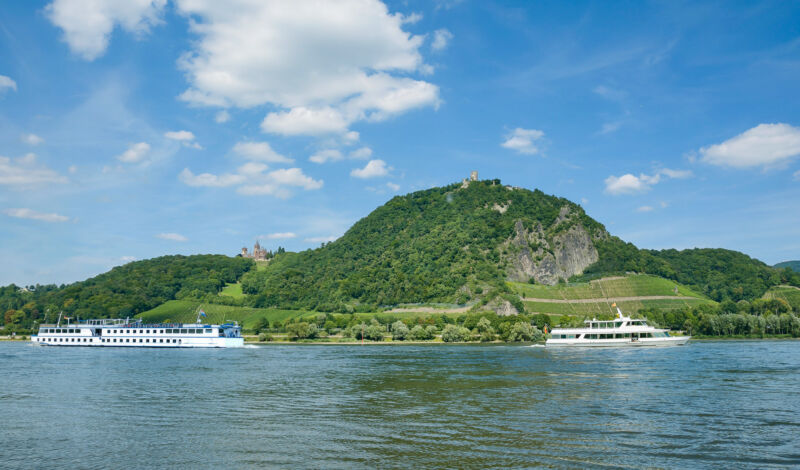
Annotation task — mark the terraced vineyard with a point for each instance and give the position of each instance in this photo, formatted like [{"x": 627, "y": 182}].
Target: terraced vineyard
[
  {"x": 788, "y": 293},
  {"x": 185, "y": 311},
  {"x": 631, "y": 293}
]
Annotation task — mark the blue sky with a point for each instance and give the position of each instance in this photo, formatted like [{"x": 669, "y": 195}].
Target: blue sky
[{"x": 139, "y": 128}]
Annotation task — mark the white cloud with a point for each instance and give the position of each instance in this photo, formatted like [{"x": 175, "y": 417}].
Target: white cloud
[
  {"x": 522, "y": 140},
  {"x": 222, "y": 116},
  {"x": 87, "y": 26},
  {"x": 127, "y": 259},
  {"x": 323, "y": 65},
  {"x": 33, "y": 215},
  {"x": 184, "y": 137},
  {"x": 362, "y": 153},
  {"x": 31, "y": 139},
  {"x": 209, "y": 180},
  {"x": 278, "y": 236},
  {"x": 329, "y": 238},
  {"x": 175, "y": 237},
  {"x": 609, "y": 127},
  {"x": 373, "y": 169},
  {"x": 6, "y": 83},
  {"x": 253, "y": 180},
  {"x": 644, "y": 209},
  {"x": 326, "y": 155},
  {"x": 764, "y": 145},
  {"x": 631, "y": 184},
  {"x": 393, "y": 186},
  {"x": 261, "y": 151},
  {"x": 302, "y": 120},
  {"x": 135, "y": 153},
  {"x": 441, "y": 38},
  {"x": 24, "y": 171},
  {"x": 181, "y": 136}
]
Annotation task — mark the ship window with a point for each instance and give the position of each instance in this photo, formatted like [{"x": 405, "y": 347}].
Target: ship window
[
  {"x": 207, "y": 331},
  {"x": 617, "y": 324},
  {"x": 161, "y": 341},
  {"x": 183, "y": 331},
  {"x": 162, "y": 332},
  {"x": 127, "y": 340}
]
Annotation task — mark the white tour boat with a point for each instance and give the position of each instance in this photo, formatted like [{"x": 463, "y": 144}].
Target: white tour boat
[
  {"x": 622, "y": 331},
  {"x": 128, "y": 334}
]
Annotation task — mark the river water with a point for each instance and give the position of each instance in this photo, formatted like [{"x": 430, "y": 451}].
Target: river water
[{"x": 726, "y": 404}]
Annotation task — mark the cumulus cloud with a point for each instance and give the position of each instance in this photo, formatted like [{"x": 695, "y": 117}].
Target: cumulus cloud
[
  {"x": 278, "y": 236},
  {"x": 326, "y": 155},
  {"x": 33, "y": 215},
  {"x": 373, "y": 169},
  {"x": 644, "y": 209},
  {"x": 136, "y": 153},
  {"x": 6, "y": 83},
  {"x": 362, "y": 153},
  {"x": 87, "y": 26},
  {"x": 393, "y": 186},
  {"x": 765, "y": 145},
  {"x": 323, "y": 65},
  {"x": 631, "y": 184},
  {"x": 31, "y": 139},
  {"x": 24, "y": 171},
  {"x": 328, "y": 238},
  {"x": 260, "y": 151},
  {"x": 252, "y": 179},
  {"x": 184, "y": 137},
  {"x": 522, "y": 140},
  {"x": 441, "y": 38},
  {"x": 222, "y": 116},
  {"x": 171, "y": 236}
]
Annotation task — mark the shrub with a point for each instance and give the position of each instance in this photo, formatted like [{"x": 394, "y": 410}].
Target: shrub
[
  {"x": 454, "y": 334},
  {"x": 484, "y": 330},
  {"x": 420, "y": 333},
  {"x": 399, "y": 331},
  {"x": 302, "y": 330}
]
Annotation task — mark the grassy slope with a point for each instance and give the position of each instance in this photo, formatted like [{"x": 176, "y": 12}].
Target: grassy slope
[
  {"x": 628, "y": 286},
  {"x": 787, "y": 293},
  {"x": 184, "y": 311},
  {"x": 232, "y": 290}
]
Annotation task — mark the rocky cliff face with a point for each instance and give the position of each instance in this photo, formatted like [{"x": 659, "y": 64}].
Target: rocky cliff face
[{"x": 563, "y": 250}]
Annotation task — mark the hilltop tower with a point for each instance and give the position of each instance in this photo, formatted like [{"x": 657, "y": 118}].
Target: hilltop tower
[{"x": 473, "y": 176}]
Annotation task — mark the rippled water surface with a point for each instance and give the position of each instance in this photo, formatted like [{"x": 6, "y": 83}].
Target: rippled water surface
[{"x": 709, "y": 404}]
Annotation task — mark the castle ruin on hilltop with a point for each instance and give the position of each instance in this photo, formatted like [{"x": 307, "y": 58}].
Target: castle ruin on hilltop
[{"x": 258, "y": 254}]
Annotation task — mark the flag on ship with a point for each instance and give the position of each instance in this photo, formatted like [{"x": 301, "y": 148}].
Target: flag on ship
[{"x": 202, "y": 313}]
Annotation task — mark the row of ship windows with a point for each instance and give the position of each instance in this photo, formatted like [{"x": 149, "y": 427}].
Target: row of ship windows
[
  {"x": 605, "y": 336},
  {"x": 175, "y": 331},
  {"x": 109, "y": 340}
]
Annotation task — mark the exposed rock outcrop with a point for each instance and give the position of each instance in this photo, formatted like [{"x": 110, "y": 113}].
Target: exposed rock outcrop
[{"x": 566, "y": 250}]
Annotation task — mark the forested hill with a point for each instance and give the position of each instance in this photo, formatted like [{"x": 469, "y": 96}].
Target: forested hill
[
  {"x": 793, "y": 265},
  {"x": 448, "y": 244},
  {"x": 455, "y": 244},
  {"x": 125, "y": 290}
]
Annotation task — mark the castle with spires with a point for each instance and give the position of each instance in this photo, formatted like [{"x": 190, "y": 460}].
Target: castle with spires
[{"x": 258, "y": 254}]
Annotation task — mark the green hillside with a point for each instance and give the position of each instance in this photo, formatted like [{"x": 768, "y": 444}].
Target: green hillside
[
  {"x": 461, "y": 244},
  {"x": 125, "y": 290},
  {"x": 793, "y": 265},
  {"x": 186, "y": 311}
]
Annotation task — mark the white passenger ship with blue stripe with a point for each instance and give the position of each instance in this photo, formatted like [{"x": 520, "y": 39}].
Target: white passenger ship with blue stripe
[
  {"x": 137, "y": 334},
  {"x": 622, "y": 331}
]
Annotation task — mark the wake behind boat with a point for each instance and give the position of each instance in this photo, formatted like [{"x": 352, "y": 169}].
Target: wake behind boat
[{"x": 622, "y": 331}]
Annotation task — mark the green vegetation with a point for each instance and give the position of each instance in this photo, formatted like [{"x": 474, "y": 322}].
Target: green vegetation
[
  {"x": 793, "y": 265},
  {"x": 621, "y": 286},
  {"x": 232, "y": 290},
  {"x": 438, "y": 245},
  {"x": 717, "y": 273},
  {"x": 124, "y": 291}
]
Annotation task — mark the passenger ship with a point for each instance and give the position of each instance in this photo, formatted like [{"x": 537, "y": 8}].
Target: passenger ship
[
  {"x": 622, "y": 331},
  {"x": 128, "y": 334}
]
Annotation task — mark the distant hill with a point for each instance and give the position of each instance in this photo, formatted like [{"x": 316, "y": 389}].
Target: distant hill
[
  {"x": 793, "y": 265},
  {"x": 460, "y": 243},
  {"x": 125, "y": 290}
]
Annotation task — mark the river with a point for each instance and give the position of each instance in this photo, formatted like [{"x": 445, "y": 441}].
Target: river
[{"x": 710, "y": 404}]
